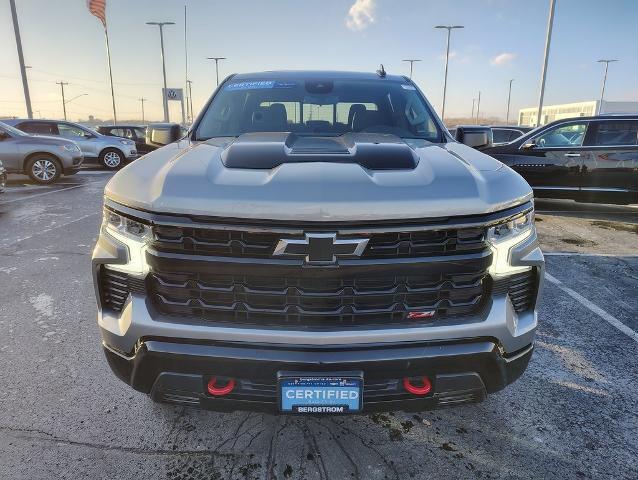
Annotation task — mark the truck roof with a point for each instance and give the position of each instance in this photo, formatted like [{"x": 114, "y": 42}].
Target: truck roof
[{"x": 314, "y": 74}]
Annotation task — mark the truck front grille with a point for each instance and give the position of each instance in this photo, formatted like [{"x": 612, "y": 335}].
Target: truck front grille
[
  {"x": 308, "y": 300},
  {"x": 228, "y": 274},
  {"x": 237, "y": 243}
]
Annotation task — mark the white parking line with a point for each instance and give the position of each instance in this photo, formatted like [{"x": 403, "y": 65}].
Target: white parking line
[
  {"x": 581, "y": 254},
  {"x": 41, "y": 194},
  {"x": 47, "y": 230},
  {"x": 608, "y": 317},
  {"x": 94, "y": 172}
]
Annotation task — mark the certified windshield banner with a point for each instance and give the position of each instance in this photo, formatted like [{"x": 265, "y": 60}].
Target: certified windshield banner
[{"x": 259, "y": 85}]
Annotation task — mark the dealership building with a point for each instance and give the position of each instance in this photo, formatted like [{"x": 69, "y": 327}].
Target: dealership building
[{"x": 527, "y": 116}]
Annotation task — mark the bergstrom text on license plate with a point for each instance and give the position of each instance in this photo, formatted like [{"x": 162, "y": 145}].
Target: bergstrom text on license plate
[{"x": 320, "y": 394}]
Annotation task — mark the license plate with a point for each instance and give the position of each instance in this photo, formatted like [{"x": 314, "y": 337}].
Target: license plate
[{"x": 302, "y": 393}]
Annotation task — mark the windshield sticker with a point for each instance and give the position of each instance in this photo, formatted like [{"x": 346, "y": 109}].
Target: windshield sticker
[
  {"x": 259, "y": 85},
  {"x": 408, "y": 87}
]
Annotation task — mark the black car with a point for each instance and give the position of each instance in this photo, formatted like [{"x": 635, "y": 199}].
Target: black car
[
  {"x": 588, "y": 159},
  {"x": 137, "y": 133},
  {"x": 508, "y": 133}
]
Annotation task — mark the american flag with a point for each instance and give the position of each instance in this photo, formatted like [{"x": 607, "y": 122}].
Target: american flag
[{"x": 98, "y": 8}]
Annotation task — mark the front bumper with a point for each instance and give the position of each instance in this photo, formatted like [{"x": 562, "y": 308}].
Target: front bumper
[
  {"x": 71, "y": 160},
  {"x": 171, "y": 356},
  {"x": 131, "y": 155},
  {"x": 178, "y": 372}
]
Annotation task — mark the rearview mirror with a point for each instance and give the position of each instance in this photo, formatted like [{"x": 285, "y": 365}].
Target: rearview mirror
[
  {"x": 160, "y": 134},
  {"x": 475, "y": 136}
]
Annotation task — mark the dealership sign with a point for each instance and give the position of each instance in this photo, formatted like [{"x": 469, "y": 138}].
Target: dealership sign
[{"x": 173, "y": 94}]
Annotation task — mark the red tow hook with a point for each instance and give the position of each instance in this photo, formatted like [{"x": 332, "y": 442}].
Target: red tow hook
[
  {"x": 415, "y": 389},
  {"x": 218, "y": 391}
]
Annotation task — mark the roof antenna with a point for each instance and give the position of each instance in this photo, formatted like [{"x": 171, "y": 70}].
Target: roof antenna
[{"x": 381, "y": 71}]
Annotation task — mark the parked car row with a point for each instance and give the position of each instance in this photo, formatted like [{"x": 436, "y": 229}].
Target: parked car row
[
  {"x": 47, "y": 149},
  {"x": 110, "y": 151}
]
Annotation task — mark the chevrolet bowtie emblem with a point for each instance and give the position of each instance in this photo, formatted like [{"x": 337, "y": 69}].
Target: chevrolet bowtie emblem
[{"x": 321, "y": 248}]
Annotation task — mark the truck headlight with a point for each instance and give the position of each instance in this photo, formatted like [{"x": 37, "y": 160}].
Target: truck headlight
[
  {"x": 71, "y": 148},
  {"x": 130, "y": 143},
  {"x": 503, "y": 237},
  {"x": 132, "y": 233}
]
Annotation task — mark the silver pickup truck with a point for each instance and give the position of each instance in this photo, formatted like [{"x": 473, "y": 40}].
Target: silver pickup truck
[{"x": 317, "y": 243}]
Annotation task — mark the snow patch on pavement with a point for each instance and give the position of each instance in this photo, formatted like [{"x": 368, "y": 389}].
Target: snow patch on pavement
[{"x": 43, "y": 303}]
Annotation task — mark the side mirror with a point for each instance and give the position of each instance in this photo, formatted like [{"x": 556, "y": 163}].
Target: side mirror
[
  {"x": 528, "y": 145},
  {"x": 160, "y": 134},
  {"x": 3, "y": 136},
  {"x": 88, "y": 135},
  {"x": 475, "y": 136}
]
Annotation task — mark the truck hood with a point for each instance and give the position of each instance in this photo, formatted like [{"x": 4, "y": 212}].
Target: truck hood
[{"x": 191, "y": 178}]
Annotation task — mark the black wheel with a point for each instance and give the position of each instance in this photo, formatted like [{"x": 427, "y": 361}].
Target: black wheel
[
  {"x": 43, "y": 169},
  {"x": 111, "y": 158}
]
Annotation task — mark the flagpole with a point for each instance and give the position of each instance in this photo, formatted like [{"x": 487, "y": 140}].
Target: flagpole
[
  {"x": 108, "y": 55},
  {"x": 186, "y": 65}
]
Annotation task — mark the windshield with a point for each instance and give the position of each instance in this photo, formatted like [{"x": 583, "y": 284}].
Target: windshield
[
  {"x": 12, "y": 130},
  {"x": 328, "y": 107}
]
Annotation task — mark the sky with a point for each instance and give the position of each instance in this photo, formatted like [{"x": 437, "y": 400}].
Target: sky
[{"x": 502, "y": 39}]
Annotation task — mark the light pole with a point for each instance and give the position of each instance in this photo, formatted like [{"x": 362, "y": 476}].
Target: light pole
[
  {"x": 602, "y": 90},
  {"x": 62, "y": 84},
  {"x": 412, "y": 60},
  {"x": 217, "y": 59},
  {"x": 23, "y": 71},
  {"x": 161, "y": 31},
  {"x": 509, "y": 96},
  {"x": 189, "y": 114},
  {"x": 449, "y": 29},
  {"x": 478, "y": 107},
  {"x": 548, "y": 39},
  {"x": 473, "y": 105},
  {"x": 142, "y": 100}
]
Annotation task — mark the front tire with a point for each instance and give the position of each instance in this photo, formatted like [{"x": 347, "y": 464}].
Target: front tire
[
  {"x": 111, "y": 158},
  {"x": 44, "y": 169}
]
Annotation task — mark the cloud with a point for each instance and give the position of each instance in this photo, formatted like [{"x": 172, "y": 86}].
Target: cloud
[
  {"x": 503, "y": 59},
  {"x": 361, "y": 15}
]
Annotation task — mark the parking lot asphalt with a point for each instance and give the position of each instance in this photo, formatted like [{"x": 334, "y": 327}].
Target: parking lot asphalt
[{"x": 573, "y": 414}]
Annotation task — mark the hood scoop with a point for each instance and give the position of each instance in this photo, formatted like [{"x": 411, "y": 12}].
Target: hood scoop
[{"x": 269, "y": 150}]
